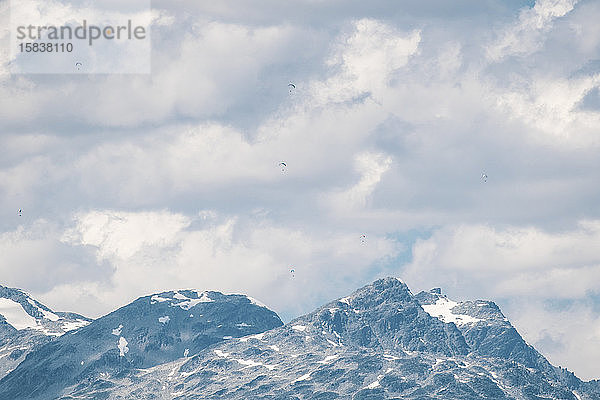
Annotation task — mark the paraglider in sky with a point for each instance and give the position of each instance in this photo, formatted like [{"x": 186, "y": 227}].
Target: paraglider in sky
[
  {"x": 484, "y": 177},
  {"x": 283, "y": 166},
  {"x": 20, "y": 212},
  {"x": 78, "y": 65},
  {"x": 363, "y": 238},
  {"x": 291, "y": 87},
  {"x": 293, "y": 272}
]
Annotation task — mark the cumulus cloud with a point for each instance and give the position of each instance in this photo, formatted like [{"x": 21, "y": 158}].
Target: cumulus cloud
[
  {"x": 152, "y": 251},
  {"x": 528, "y": 271},
  {"x": 35, "y": 259},
  {"x": 371, "y": 167},
  {"x": 559, "y": 332},
  {"x": 550, "y": 108},
  {"x": 479, "y": 259},
  {"x": 526, "y": 35},
  {"x": 121, "y": 235},
  {"x": 201, "y": 73},
  {"x": 366, "y": 59}
]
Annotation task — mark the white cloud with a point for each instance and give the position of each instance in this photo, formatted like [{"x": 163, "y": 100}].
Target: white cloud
[
  {"x": 526, "y": 261},
  {"x": 549, "y": 108},
  {"x": 366, "y": 59},
  {"x": 34, "y": 258},
  {"x": 526, "y": 35},
  {"x": 523, "y": 268},
  {"x": 153, "y": 251},
  {"x": 207, "y": 69},
  {"x": 371, "y": 167},
  {"x": 532, "y": 87},
  {"x": 569, "y": 337},
  {"x": 120, "y": 235},
  {"x": 185, "y": 159}
]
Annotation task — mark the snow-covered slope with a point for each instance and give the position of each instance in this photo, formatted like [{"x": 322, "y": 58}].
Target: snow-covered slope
[
  {"x": 25, "y": 324},
  {"x": 20, "y": 311}
]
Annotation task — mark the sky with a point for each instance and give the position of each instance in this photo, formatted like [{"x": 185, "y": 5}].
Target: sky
[{"x": 131, "y": 184}]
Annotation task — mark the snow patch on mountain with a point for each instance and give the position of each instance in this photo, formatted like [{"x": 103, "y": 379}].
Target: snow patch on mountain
[
  {"x": 442, "y": 309},
  {"x": 47, "y": 314},
  {"x": 117, "y": 331},
  {"x": 47, "y": 332},
  {"x": 303, "y": 378},
  {"x": 179, "y": 299},
  {"x": 258, "y": 336},
  {"x": 327, "y": 359},
  {"x": 345, "y": 300},
  {"x": 16, "y": 316},
  {"x": 68, "y": 326},
  {"x": 299, "y": 328},
  {"x": 122, "y": 346},
  {"x": 157, "y": 299},
  {"x": 251, "y": 363},
  {"x": 179, "y": 296},
  {"x": 257, "y": 302},
  {"x": 375, "y": 384},
  {"x": 221, "y": 353},
  {"x": 189, "y": 303}
]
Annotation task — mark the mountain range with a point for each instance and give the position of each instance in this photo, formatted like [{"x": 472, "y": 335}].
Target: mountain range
[{"x": 380, "y": 342}]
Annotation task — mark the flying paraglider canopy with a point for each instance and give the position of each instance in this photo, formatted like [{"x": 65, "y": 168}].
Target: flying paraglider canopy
[
  {"x": 20, "y": 212},
  {"x": 283, "y": 166},
  {"x": 293, "y": 272},
  {"x": 291, "y": 87},
  {"x": 78, "y": 65},
  {"x": 363, "y": 238},
  {"x": 484, "y": 177}
]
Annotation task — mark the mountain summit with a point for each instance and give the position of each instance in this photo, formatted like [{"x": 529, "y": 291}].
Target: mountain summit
[
  {"x": 152, "y": 330},
  {"x": 25, "y": 324},
  {"x": 381, "y": 342}
]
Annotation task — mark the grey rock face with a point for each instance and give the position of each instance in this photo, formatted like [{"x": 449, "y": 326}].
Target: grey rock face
[
  {"x": 381, "y": 342},
  {"x": 150, "y": 331},
  {"x": 490, "y": 333},
  {"x": 385, "y": 316}
]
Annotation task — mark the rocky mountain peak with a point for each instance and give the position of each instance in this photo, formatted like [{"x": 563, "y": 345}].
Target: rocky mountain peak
[{"x": 380, "y": 342}]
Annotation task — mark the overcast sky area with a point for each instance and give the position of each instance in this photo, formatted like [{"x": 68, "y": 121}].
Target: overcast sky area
[{"x": 134, "y": 184}]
